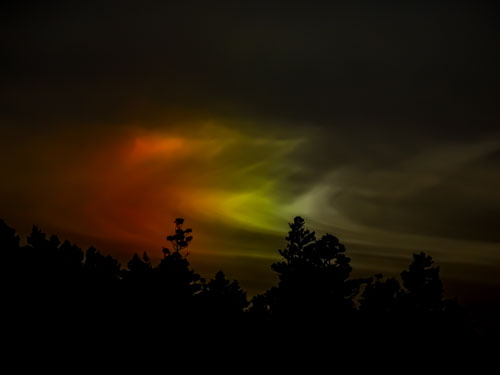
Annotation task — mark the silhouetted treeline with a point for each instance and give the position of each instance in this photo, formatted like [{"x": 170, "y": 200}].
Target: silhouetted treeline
[{"x": 49, "y": 282}]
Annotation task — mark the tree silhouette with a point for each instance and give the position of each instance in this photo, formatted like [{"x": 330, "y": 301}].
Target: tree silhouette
[
  {"x": 138, "y": 287},
  {"x": 12, "y": 269},
  {"x": 313, "y": 279},
  {"x": 139, "y": 267},
  {"x": 139, "y": 273},
  {"x": 9, "y": 240},
  {"x": 223, "y": 298},
  {"x": 99, "y": 268},
  {"x": 178, "y": 283},
  {"x": 423, "y": 287},
  {"x": 380, "y": 297},
  {"x": 417, "y": 308},
  {"x": 179, "y": 239}
]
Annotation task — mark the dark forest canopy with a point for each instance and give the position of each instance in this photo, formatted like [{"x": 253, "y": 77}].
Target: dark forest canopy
[{"x": 61, "y": 283}]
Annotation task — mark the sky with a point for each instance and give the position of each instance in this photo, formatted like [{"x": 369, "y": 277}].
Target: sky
[{"x": 377, "y": 122}]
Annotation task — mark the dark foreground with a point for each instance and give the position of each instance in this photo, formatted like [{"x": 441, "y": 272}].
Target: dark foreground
[{"x": 54, "y": 289}]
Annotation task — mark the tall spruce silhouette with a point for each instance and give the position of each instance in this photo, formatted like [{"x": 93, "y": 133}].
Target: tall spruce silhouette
[{"x": 314, "y": 282}]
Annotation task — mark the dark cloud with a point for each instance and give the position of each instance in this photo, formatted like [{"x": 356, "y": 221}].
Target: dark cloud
[
  {"x": 448, "y": 191},
  {"x": 431, "y": 67}
]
